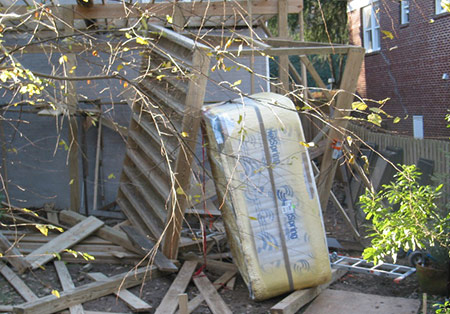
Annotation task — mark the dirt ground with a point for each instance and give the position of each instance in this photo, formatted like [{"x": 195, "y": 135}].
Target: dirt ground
[{"x": 43, "y": 281}]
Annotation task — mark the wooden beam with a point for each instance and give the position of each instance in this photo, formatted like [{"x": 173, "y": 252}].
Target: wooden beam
[
  {"x": 198, "y": 300},
  {"x": 169, "y": 303},
  {"x": 12, "y": 255},
  {"x": 135, "y": 303},
  {"x": 296, "y": 300},
  {"x": 295, "y": 51},
  {"x": 67, "y": 284},
  {"x": 105, "y": 232},
  {"x": 146, "y": 245},
  {"x": 212, "y": 298},
  {"x": 283, "y": 32},
  {"x": 183, "y": 303},
  {"x": 17, "y": 283},
  {"x": 90, "y": 291},
  {"x": 193, "y": 9},
  {"x": 190, "y": 126},
  {"x": 65, "y": 240},
  {"x": 316, "y": 77},
  {"x": 343, "y": 107}
]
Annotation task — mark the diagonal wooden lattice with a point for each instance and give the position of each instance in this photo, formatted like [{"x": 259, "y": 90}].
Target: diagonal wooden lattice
[{"x": 162, "y": 135}]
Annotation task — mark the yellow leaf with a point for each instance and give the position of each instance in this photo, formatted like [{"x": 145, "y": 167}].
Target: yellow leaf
[
  {"x": 71, "y": 182},
  {"x": 160, "y": 77},
  {"x": 184, "y": 134},
  {"x": 349, "y": 140},
  {"x": 169, "y": 19},
  {"x": 357, "y": 105},
  {"x": 30, "y": 211},
  {"x": 238, "y": 82},
  {"x": 62, "y": 59},
  {"x": 128, "y": 36},
  {"x": 307, "y": 145},
  {"x": 111, "y": 176},
  {"x": 180, "y": 191},
  {"x": 119, "y": 67},
  {"x": 388, "y": 34},
  {"x": 374, "y": 118},
  {"x": 141, "y": 41},
  {"x": 1, "y": 254},
  {"x": 95, "y": 53},
  {"x": 252, "y": 218},
  {"x": 396, "y": 120},
  {"x": 352, "y": 159},
  {"x": 42, "y": 228},
  {"x": 125, "y": 84},
  {"x": 431, "y": 21},
  {"x": 72, "y": 69},
  {"x": 56, "y": 293}
]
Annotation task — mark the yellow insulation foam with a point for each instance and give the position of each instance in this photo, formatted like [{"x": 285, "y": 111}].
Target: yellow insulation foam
[{"x": 271, "y": 210}]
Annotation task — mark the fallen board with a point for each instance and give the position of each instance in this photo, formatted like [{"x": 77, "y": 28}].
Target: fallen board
[
  {"x": 135, "y": 303},
  {"x": 169, "y": 303},
  {"x": 17, "y": 283},
  {"x": 337, "y": 301},
  {"x": 219, "y": 283},
  {"x": 297, "y": 299},
  {"x": 68, "y": 238},
  {"x": 12, "y": 254},
  {"x": 67, "y": 284},
  {"x": 215, "y": 303},
  {"x": 90, "y": 291}
]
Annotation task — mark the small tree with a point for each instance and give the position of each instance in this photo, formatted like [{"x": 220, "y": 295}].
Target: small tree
[{"x": 418, "y": 223}]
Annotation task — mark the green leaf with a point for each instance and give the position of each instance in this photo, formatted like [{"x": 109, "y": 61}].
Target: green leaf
[
  {"x": 374, "y": 118},
  {"x": 111, "y": 176}
]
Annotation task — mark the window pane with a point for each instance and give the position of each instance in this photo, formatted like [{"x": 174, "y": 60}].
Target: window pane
[{"x": 366, "y": 17}]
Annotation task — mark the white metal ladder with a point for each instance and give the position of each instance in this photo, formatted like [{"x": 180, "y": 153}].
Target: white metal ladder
[{"x": 397, "y": 272}]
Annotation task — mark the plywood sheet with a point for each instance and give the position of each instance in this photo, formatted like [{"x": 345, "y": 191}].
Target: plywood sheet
[{"x": 338, "y": 301}]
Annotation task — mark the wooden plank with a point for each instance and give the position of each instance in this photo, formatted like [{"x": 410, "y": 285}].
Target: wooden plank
[
  {"x": 296, "y": 300},
  {"x": 6, "y": 308},
  {"x": 190, "y": 125},
  {"x": 215, "y": 303},
  {"x": 217, "y": 267},
  {"x": 222, "y": 280},
  {"x": 105, "y": 232},
  {"x": 12, "y": 254},
  {"x": 67, "y": 284},
  {"x": 146, "y": 245},
  {"x": 63, "y": 241},
  {"x": 183, "y": 303},
  {"x": 169, "y": 303},
  {"x": 17, "y": 283},
  {"x": 343, "y": 106},
  {"x": 134, "y": 302},
  {"x": 148, "y": 217},
  {"x": 90, "y": 291},
  {"x": 283, "y": 32}
]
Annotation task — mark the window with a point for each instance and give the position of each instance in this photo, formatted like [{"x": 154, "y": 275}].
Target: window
[
  {"x": 440, "y": 7},
  {"x": 371, "y": 27},
  {"x": 418, "y": 126},
  {"x": 404, "y": 12}
]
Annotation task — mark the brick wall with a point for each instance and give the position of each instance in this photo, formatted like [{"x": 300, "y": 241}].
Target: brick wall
[{"x": 409, "y": 68}]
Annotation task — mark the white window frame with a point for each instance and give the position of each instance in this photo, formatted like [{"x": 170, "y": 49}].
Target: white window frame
[
  {"x": 404, "y": 12},
  {"x": 439, "y": 8},
  {"x": 371, "y": 35},
  {"x": 418, "y": 126}
]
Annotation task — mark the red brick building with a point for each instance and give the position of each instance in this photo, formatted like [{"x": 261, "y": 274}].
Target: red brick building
[{"x": 407, "y": 59}]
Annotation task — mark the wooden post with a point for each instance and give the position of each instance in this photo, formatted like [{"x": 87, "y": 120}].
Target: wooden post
[
  {"x": 283, "y": 32},
  {"x": 343, "y": 106},
  {"x": 72, "y": 104},
  {"x": 190, "y": 126}
]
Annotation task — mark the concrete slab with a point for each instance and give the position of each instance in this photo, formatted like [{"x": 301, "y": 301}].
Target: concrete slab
[{"x": 338, "y": 301}]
